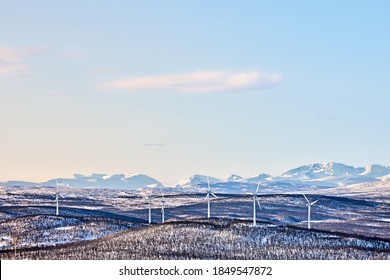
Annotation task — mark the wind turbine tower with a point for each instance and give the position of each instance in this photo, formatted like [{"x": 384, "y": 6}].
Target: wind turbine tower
[
  {"x": 309, "y": 204},
  {"x": 255, "y": 200},
  {"x": 209, "y": 193},
  {"x": 162, "y": 208},
  {"x": 57, "y": 196},
  {"x": 150, "y": 205}
]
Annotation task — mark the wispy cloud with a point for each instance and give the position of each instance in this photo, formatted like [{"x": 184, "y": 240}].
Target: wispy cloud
[
  {"x": 12, "y": 67},
  {"x": 11, "y": 59},
  {"x": 198, "y": 82}
]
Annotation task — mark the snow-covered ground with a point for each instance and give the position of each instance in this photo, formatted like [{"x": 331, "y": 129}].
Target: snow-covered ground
[
  {"x": 27, "y": 213},
  {"x": 217, "y": 239}
]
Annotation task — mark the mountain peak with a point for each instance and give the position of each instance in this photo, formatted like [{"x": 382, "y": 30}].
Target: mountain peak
[
  {"x": 195, "y": 180},
  {"x": 233, "y": 178},
  {"x": 115, "y": 181},
  {"x": 376, "y": 170},
  {"x": 258, "y": 178},
  {"x": 321, "y": 170}
]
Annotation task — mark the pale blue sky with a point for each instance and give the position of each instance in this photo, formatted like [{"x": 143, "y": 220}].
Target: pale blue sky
[{"x": 173, "y": 88}]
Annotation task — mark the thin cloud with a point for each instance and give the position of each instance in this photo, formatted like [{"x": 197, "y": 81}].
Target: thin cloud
[
  {"x": 11, "y": 67},
  {"x": 199, "y": 82},
  {"x": 11, "y": 60},
  {"x": 12, "y": 54}
]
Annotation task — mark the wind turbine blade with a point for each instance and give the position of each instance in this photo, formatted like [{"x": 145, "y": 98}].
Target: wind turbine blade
[
  {"x": 314, "y": 202},
  {"x": 258, "y": 203},
  {"x": 207, "y": 196},
  {"x": 306, "y": 198},
  {"x": 214, "y": 195},
  {"x": 61, "y": 196},
  {"x": 208, "y": 182},
  {"x": 257, "y": 189}
]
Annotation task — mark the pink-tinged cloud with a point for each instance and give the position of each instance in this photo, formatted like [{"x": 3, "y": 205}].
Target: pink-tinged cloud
[
  {"x": 199, "y": 82},
  {"x": 9, "y": 67},
  {"x": 11, "y": 59}
]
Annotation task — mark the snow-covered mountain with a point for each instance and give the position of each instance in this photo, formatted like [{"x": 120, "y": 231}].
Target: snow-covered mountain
[
  {"x": 117, "y": 181},
  {"x": 306, "y": 177},
  {"x": 376, "y": 170},
  {"x": 336, "y": 171},
  {"x": 316, "y": 176},
  {"x": 196, "y": 180},
  {"x": 321, "y": 170},
  {"x": 259, "y": 178},
  {"x": 335, "y": 174}
]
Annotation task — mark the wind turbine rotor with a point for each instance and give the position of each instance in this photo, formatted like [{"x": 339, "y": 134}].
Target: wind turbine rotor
[
  {"x": 309, "y": 204},
  {"x": 255, "y": 201},
  {"x": 306, "y": 198},
  {"x": 209, "y": 193}
]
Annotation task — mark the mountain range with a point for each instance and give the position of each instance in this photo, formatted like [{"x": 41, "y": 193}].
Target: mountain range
[{"x": 317, "y": 175}]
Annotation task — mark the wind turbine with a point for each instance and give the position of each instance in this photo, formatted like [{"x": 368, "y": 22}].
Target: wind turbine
[
  {"x": 58, "y": 195},
  {"x": 162, "y": 207},
  {"x": 150, "y": 205},
  {"x": 255, "y": 199},
  {"x": 309, "y": 204},
  {"x": 208, "y": 197}
]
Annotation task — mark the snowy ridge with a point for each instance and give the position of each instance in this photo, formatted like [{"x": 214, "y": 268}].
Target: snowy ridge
[
  {"x": 259, "y": 178},
  {"x": 376, "y": 170},
  {"x": 312, "y": 176},
  {"x": 116, "y": 181},
  {"x": 335, "y": 171},
  {"x": 321, "y": 170},
  {"x": 196, "y": 180}
]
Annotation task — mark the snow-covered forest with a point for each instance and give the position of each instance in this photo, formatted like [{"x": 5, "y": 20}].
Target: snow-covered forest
[
  {"x": 113, "y": 224},
  {"x": 217, "y": 239}
]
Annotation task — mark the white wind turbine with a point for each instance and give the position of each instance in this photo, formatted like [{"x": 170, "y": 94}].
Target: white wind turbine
[
  {"x": 150, "y": 205},
  {"x": 162, "y": 207},
  {"x": 255, "y": 200},
  {"x": 309, "y": 204},
  {"x": 209, "y": 192},
  {"x": 63, "y": 184}
]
